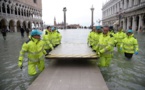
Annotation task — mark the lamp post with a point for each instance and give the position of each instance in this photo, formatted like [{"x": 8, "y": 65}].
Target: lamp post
[
  {"x": 99, "y": 21},
  {"x": 64, "y": 10},
  {"x": 92, "y": 21}
]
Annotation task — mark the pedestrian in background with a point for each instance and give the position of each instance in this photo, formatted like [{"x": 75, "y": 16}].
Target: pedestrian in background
[
  {"x": 27, "y": 32},
  {"x": 4, "y": 32},
  {"x": 22, "y": 31}
]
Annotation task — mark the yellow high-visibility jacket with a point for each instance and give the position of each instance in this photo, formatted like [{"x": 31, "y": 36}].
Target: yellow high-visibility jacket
[
  {"x": 119, "y": 36},
  {"x": 56, "y": 37},
  {"x": 111, "y": 33},
  {"x": 47, "y": 32},
  {"x": 46, "y": 39},
  {"x": 105, "y": 45},
  {"x": 130, "y": 44},
  {"x": 96, "y": 40},
  {"x": 35, "y": 50},
  {"x": 90, "y": 38}
]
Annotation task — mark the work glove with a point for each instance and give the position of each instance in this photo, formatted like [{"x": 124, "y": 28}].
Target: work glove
[
  {"x": 136, "y": 53},
  {"x": 20, "y": 64}
]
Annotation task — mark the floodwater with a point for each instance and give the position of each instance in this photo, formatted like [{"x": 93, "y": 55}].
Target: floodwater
[{"x": 121, "y": 75}]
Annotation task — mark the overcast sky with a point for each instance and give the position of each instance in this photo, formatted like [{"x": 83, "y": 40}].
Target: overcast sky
[{"x": 78, "y": 11}]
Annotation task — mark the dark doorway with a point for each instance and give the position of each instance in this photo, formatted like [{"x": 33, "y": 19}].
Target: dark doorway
[{"x": 137, "y": 23}]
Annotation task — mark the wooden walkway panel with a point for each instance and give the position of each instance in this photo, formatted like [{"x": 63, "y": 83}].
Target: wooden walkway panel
[
  {"x": 70, "y": 77},
  {"x": 72, "y": 50}
]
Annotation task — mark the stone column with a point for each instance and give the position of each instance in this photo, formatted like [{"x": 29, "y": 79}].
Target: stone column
[
  {"x": 21, "y": 24},
  {"x": 17, "y": 11},
  {"x": 118, "y": 8},
  {"x": 92, "y": 20},
  {"x": 125, "y": 4},
  {"x": 20, "y": 12},
  {"x": 110, "y": 10},
  {"x": 6, "y": 9},
  {"x": 7, "y": 25},
  {"x": 1, "y": 9},
  {"x": 128, "y": 22},
  {"x": 135, "y": 2},
  {"x": 10, "y": 10},
  {"x": 122, "y": 5},
  {"x": 15, "y": 27},
  {"x": 124, "y": 24},
  {"x": 26, "y": 24},
  {"x": 64, "y": 10},
  {"x": 13, "y": 10},
  {"x": 140, "y": 21},
  {"x": 134, "y": 23},
  {"x": 130, "y": 3}
]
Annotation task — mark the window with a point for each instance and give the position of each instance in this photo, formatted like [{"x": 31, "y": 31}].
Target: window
[{"x": 35, "y": 1}]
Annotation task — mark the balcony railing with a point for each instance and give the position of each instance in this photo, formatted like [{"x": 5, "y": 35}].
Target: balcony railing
[{"x": 4, "y": 15}]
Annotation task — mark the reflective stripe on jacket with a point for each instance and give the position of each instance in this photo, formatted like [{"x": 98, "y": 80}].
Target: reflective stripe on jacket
[
  {"x": 105, "y": 45},
  {"x": 35, "y": 50},
  {"x": 129, "y": 44}
]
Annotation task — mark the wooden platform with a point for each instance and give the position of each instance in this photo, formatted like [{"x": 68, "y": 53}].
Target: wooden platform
[
  {"x": 70, "y": 75},
  {"x": 72, "y": 50}
]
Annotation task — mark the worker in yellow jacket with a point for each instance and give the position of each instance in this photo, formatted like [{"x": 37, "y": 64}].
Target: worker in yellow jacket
[
  {"x": 105, "y": 48},
  {"x": 48, "y": 46},
  {"x": 34, "y": 48},
  {"x": 59, "y": 37},
  {"x": 56, "y": 37},
  {"x": 129, "y": 45},
  {"x": 96, "y": 37},
  {"x": 48, "y": 30},
  {"x": 119, "y": 36},
  {"x": 90, "y": 37}
]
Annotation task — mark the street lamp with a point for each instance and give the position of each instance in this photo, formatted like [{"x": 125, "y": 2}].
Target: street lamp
[
  {"x": 92, "y": 22},
  {"x": 64, "y": 10},
  {"x": 99, "y": 21}
]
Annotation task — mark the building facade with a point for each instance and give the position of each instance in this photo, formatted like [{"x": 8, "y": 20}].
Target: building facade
[
  {"x": 125, "y": 13},
  {"x": 20, "y": 13}
]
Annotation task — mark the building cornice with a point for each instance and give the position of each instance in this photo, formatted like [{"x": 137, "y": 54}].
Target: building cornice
[
  {"x": 17, "y": 17},
  {"x": 134, "y": 10},
  {"x": 109, "y": 4},
  {"x": 28, "y": 5}
]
